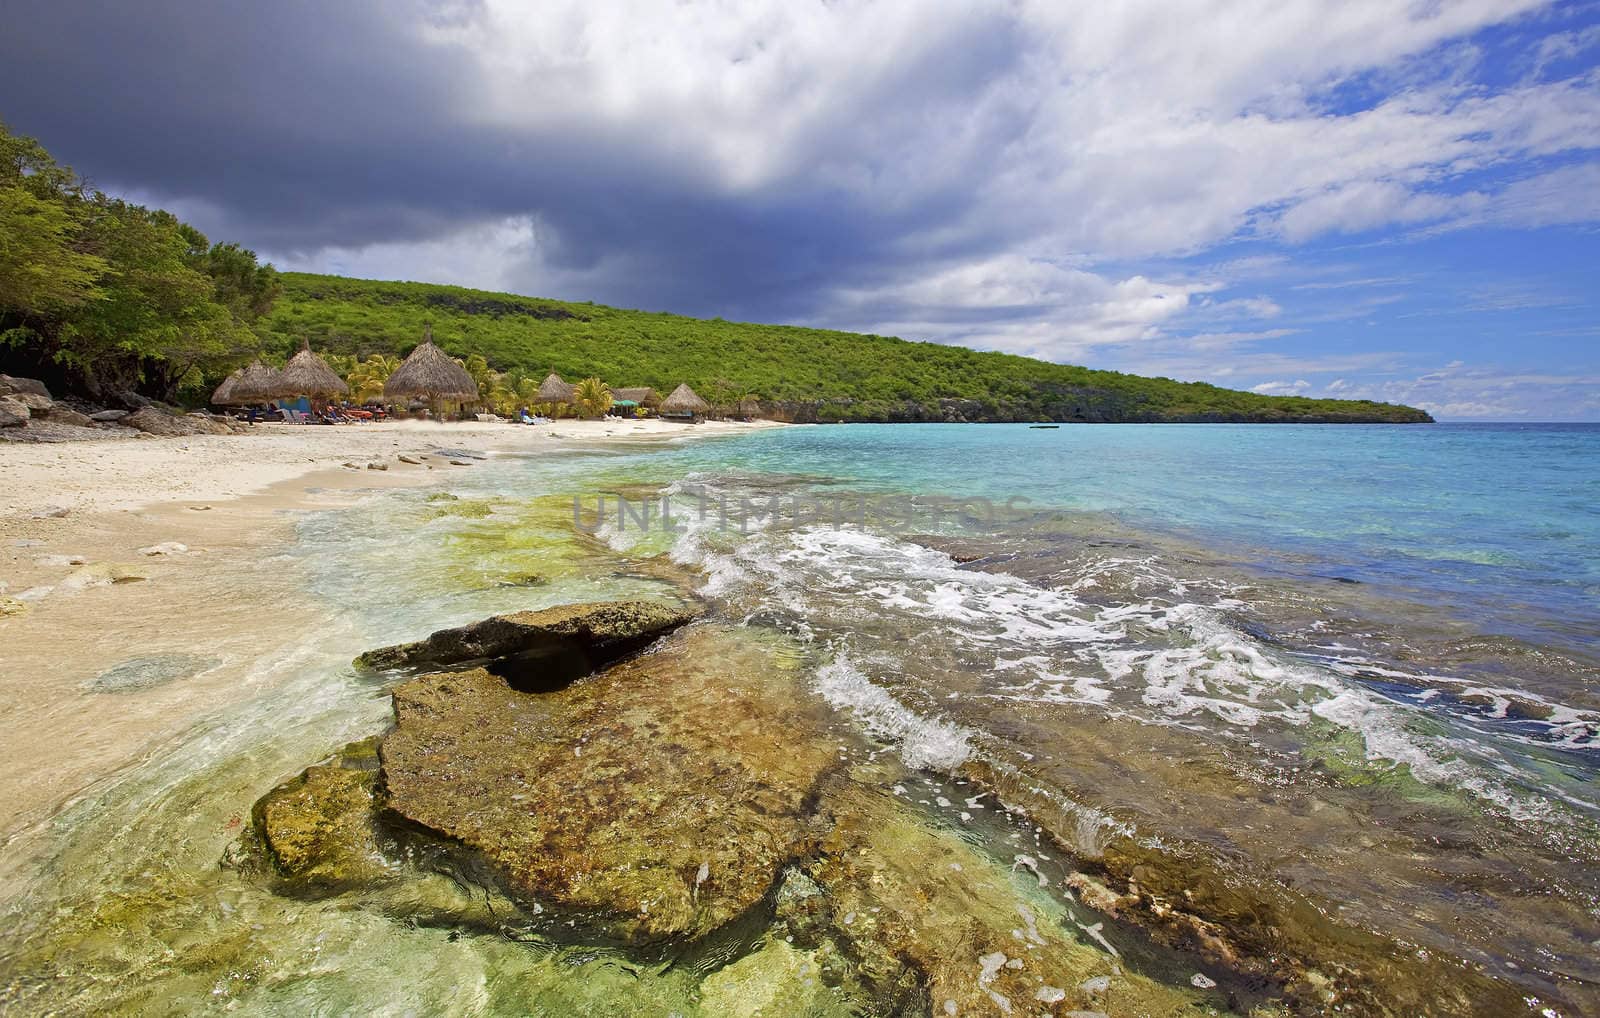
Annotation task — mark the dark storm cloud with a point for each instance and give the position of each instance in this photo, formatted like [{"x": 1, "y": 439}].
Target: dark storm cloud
[{"x": 294, "y": 127}]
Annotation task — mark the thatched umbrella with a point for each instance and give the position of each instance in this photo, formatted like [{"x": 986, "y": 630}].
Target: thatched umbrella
[
  {"x": 223, "y": 396},
  {"x": 554, "y": 390},
  {"x": 256, "y": 383},
  {"x": 642, "y": 395},
  {"x": 432, "y": 373},
  {"x": 306, "y": 374},
  {"x": 684, "y": 402}
]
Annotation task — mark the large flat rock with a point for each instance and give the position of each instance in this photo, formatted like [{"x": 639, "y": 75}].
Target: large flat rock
[
  {"x": 595, "y": 633},
  {"x": 657, "y": 800}
]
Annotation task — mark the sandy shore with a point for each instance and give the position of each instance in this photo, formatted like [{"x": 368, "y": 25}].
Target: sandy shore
[
  {"x": 121, "y": 550},
  {"x": 123, "y": 474}
]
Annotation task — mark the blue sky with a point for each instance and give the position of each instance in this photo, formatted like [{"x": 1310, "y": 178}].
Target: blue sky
[{"x": 1365, "y": 198}]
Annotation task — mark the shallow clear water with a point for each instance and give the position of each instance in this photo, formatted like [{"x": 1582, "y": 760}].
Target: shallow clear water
[{"x": 1162, "y": 645}]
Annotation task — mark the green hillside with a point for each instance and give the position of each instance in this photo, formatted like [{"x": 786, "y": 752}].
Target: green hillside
[{"x": 797, "y": 372}]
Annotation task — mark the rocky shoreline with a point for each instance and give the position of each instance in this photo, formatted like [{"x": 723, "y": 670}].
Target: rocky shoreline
[
  {"x": 632, "y": 777},
  {"x": 28, "y": 413},
  {"x": 686, "y": 806}
]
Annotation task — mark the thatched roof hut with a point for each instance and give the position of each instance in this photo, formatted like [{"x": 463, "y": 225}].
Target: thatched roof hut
[
  {"x": 684, "y": 403},
  {"x": 554, "y": 390},
  {"x": 432, "y": 373},
  {"x": 223, "y": 396},
  {"x": 643, "y": 395},
  {"x": 306, "y": 374},
  {"x": 256, "y": 383}
]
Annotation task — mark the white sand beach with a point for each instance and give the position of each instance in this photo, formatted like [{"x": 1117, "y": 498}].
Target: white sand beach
[{"x": 126, "y": 474}]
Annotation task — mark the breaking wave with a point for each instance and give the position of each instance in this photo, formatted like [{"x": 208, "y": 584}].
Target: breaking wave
[{"x": 895, "y": 616}]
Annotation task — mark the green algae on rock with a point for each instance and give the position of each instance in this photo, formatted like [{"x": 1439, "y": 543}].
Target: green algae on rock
[
  {"x": 454, "y": 505},
  {"x": 141, "y": 673},
  {"x": 658, "y": 800},
  {"x": 692, "y": 804},
  {"x": 929, "y": 922},
  {"x": 1264, "y": 930},
  {"x": 776, "y": 981},
  {"x": 318, "y": 830},
  {"x": 600, "y": 632}
]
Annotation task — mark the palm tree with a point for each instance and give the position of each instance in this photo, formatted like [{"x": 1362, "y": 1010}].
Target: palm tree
[
  {"x": 366, "y": 377},
  {"x": 481, "y": 373},
  {"x": 527, "y": 391},
  {"x": 592, "y": 397},
  {"x": 502, "y": 397}
]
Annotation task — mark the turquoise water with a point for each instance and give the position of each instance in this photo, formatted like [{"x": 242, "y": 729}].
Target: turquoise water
[{"x": 1498, "y": 521}]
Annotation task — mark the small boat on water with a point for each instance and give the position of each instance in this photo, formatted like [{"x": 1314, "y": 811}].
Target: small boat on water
[{"x": 1044, "y": 427}]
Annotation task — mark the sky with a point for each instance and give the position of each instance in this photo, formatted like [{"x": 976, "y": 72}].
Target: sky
[{"x": 1364, "y": 198}]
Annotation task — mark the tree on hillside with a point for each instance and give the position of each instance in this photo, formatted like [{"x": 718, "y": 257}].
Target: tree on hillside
[
  {"x": 40, "y": 272},
  {"x": 157, "y": 317},
  {"x": 43, "y": 271},
  {"x": 111, "y": 295},
  {"x": 247, "y": 288},
  {"x": 730, "y": 399}
]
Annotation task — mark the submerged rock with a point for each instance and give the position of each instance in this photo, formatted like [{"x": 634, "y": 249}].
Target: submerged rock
[
  {"x": 597, "y": 633},
  {"x": 777, "y": 981},
  {"x": 658, "y": 800},
  {"x": 693, "y": 803},
  {"x": 522, "y": 580},
  {"x": 932, "y": 923},
  {"x": 142, "y": 673},
  {"x": 165, "y": 548},
  {"x": 319, "y": 830},
  {"x": 100, "y": 574}
]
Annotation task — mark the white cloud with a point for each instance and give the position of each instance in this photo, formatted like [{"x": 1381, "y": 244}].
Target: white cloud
[
  {"x": 479, "y": 255},
  {"x": 1128, "y": 130},
  {"x": 1565, "y": 46},
  {"x": 1461, "y": 390},
  {"x": 1570, "y": 194},
  {"x": 1241, "y": 367},
  {"x": 1361, "y": 205},
  {"x": 1032, "y": 306},
  {"x": 1299, "y": 387}
]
